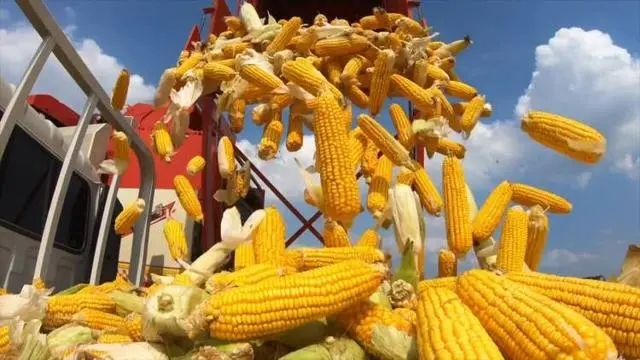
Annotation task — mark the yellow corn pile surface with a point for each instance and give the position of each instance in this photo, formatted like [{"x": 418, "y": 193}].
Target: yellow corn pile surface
[{"x": 341, "y": 301}]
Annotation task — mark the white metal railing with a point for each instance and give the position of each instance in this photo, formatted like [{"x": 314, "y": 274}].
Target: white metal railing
[{"x": 56, "y": 42}]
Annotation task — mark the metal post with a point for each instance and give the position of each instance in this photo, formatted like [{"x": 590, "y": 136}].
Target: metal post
[{"x": 60, "y": 191}]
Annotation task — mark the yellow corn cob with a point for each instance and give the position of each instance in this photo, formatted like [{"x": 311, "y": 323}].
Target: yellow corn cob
[
  {"x": 333, "y": 69},
  {"x": 352, "y": 69},
  {"x": 269, "y": 238},
  {"x": 436, "y": 73},
  {"x": 427, "y": 192},
  {"x": 565, "y": 135},
  {"x": 250, "y": 275},
  {"x": 357, "y": 146},
  {"x": 334, "y": 235},
  {"x": 405, "y": 176},
  {"x": 194, "y": 58},
  {"x": 339, "y": 186},
  {"x": 347, "y": 115},
  {"x": 407, "y": 314},
  {"x": 304, "y": 42},
  {"x": 420, "y": 97},
  {"x": 182, "y": 279},
  {"x": 364, "y": 79},
  {"x": 226, "y": 158},
  {"x": 379, "y": 189},
  {"x": 369, "y": 238},
  {"x": 243, "y": 313},
  {"x": 513, "y": 240},
  {"x": 260, "y": 77},
  {"x": 132, "y": 326},
  {"x": 251, "y": 93},
  {"x": 244, "y": 256},
  {"x": 459, "y": 89},
  {"x": 119, "y": 283},
  {"x": 6, "y": 344},
  {"x": 261, "y": 114},
  {"x": 3, "y": 291},
  {"x": 195, "y": 165},
  {"x": 295, "y": 132},
  {"x": 402, "y": 124},
  {"x": 441, "y": 313},
  {"x": 445, "y": 146},
  {"x": 357, "y": 96},
  {"x": 236, "y": 115},
  {"x": 390, "y": 147},
  {"x": 317, "y": 62},
  {"x": 188, "y": 198},
  {"x": 176, "y": 240},
  {"x": 446, "y": 109},
  {"x": 284, "y": 35},
  {"x": 120, "y": 89},
  {"x": 60, "y": 308},
  {"x": 302, "y": 72},
  {"x": 612, "y": 307},
  {"x": 409, "y": 26},
  {"x": 162, "y": 143},
  {"x": 216, "y": 71},
  {"x": 271, "y": 138},
  {"x": 233, "y": 23},
  {"x": 184, "y": 55},
  {"x": 561, "y": 333},
  {"x": 231, "y": 50},
  {"x": 456, "y": 213},
  {"x": 419, "y": 74},
  {"x": 369, "y": 160},
  {"x": 443, "y": 282},
  {"x": 528, "y": 195},
  {"x": 458, "y": 109},
  {"x": 280, "y": 101},
  {"x": 126, "y": 220},
  {"x": 379, "y": 89},
  {"x": 362, "y": 321},
  {"x": 311, "y": 258},
  {"x": 447, "y": 263},
  {"x": 39, "y": 284},
  {"x": 230, "y": 63},
  {"x": 97, "y": 319},
  {"x": 488, "y": 217},
  {"x": 455, "y": 47},
  {"x": 536, "y": 237},
  {"x": 341, "y": 45},
  {"x": 471, "y": 114},
  {"x": 114, "y": 339}
]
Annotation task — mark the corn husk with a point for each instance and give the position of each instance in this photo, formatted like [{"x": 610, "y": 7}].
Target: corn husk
[
  {"x": 131, "y": 351},
  {"x": 630, "y": 272},
  {"x": 380, "y": 296},
  {"x": 34, "y": 347},
  {"x": 331, "y": 349},
  {"x": 167, "y": 308},
  {"x": 393, "y": 344},
  {"x": 127, "y": 302},
  {"x": 67, "y": 337},
  {"x": 310, "y": 333},
  {"x": 30, "y": 304},
  {"x": 72, "y": 290}
]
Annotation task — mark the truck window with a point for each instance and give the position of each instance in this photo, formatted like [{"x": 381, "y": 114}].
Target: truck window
[{"x": 28, "y": 175}]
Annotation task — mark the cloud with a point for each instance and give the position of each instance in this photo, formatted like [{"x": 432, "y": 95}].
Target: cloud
[
  {"x": 628, "y": 166},
  {"x": 556, "y": 258},
  {"x": 18, "y": 43}
]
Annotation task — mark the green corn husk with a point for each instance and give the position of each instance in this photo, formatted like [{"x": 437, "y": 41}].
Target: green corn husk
[
  {"x": 68, "y": 336},
  {"x": 310, "y": 333},
  {"x": 380, "y": 296},
  {"x": 407, "y": 270},
  {"x": 34, "y": 348},
  {"x": 331, "y": 349},
  {"x": 127, "y": 302},
  {"x": 72, "y": 290}
]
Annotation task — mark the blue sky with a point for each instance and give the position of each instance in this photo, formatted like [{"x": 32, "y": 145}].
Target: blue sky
[{"x": 589, "y": 70}]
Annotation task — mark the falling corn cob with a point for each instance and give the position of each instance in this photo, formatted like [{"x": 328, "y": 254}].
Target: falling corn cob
[
  {"x": 338, "y": 287},
  {"x": 269, "y": 238},
  {"x": 271, "y": 138},
  {"x": 302, "y": 72},
  {"x": 459, "y": 108},
  {"x": 402, "y": 125},
  {"x": 379, "y": 189},
  {"x": 295, "y": 132},
  {"x": 537, "y": 236},
  {"x": 369, "y": 161},
  {"x": 513, "y": 240},
  {"x": 334, "y": 235},
  {"x": 447, "y": 263},
  {"x": 456, "y": 213},
  {"x": 352, "y": 69},
  {"x": 176, "y": 239},
  {"x": 566, "y": 333},
  {"x": 260, "y": 77},
  {"x": 444, "y": 146},
  {"x": 120, "y": 89},
  {"x": 195, "y": 165},
  {"x": 357, "y": 146},
  {"x": 284, "y": 35},
  {"x": 471, "y": 115},
  {"x": 249, "y": 275},
  {"x": 488, "y": 217},
  {"x": 216, "y": 71},
  {"x": 311, "y": 258},
  {"x": 440, "y": 313},
  {"x": 419, "y": 97},
  {"x": 383, "y": 67},
  {"x": 565, "y": 135},
  {"x": 162, "y": 143},
  {"x": 341, "y": 45},
  {"x": 188, "y": 198},
  {"x": 244, "y": 256},
  {"x": 459, "y": 89},
  {"x": 126, "y": 220},
  {"x": 226, "y": 158},
  {"x": 369, "y": 238},
  {"x": 236, "y": 115},
  {"x": 614, "y": 308},
  {"x": 527, "y": 195},
  {"x": 389, "y": 146},
  {"x": 357, "y": 96},
  {"x": 429, "y": 196}
]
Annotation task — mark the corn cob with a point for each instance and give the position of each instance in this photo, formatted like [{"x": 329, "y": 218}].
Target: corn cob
[
  {"x": 421, "y": 98},
  {"x": 244, "y": 256},
  {"x": 3, "y": 291},
  {"x": 441, "y": 313},
  {"x": 513, "y": 240},
  {"x": 271, "y": 138},
  {"x": 383, "y": 67},
  {"x": 536, "y": 237},
  {"x": 339, "y": 186},
  {"x": 357, "y": 146},
  {"x": 132, "y": 326},
  {"x": 39, "y": 284},
  {"x": 458, "y": 109},
  {"x": 295, "y": 132},
  {"x": 457, "y": 46},
  {"x": 284, "y": 35},
  {"x": 334, "y": 288},
  {"x": 612, "y": 307},
  {"x": 311, "y": 258},
  {"x": 261, "y": 114},
  {"x": 357, "y": 96},
  {"x": 456, "y": 213},
  {"x": 341, "y": 45},
  {"x": 269, "y": 238},
  {"x": 352, "y": 69},
  {"x": 429, "y": 196},
  {"x": 369, "y": 161},
  {"x": 390, "y": 147},
  {"x": 364, "y": 78},
  {"x": 195, "y": 165},
  {"x": 527, "y": 195},
  {"x": 302, "y": 72},
  {"x": 445, "y": 146},
  {"x": 334, "y": 235},
  {"x": 305, "y": 41},
  {"x": 230, "y": 51},
  {"x": 419, "y": 74},
  {"x": 402, "y": 124},
  {"x": 188, "y": 198},
  {"x": 176, "y": 240},
  {"x": 120, "y": 283},
  {"x": 217, "y": 71},
  {"x": 459, "y": 89},
  {"x": 250, "y": 275},
  {"x": 379, "y": 189},
  {"x": 120, "y": 89},
  {"x": 126, "y": 220},
  {"x": 6, "y": 343},
  {"x": 108, "y": 338},
  {"x": 236, "y": 115},
  {"x": 407, "y": 314},
  {"x": 60, "y": 308},
  {"x": 405, "y": 176},
  {"x": 226, "y": 158},
  {"x": 260, "y": 77},
  {"x": 347, "y": 115},
  {"x": 442, "y": 282},
  {"x": 471, "y": 114},
  {"x": 369, "y": 238},
  {"x": 333, "y": 69},
  {"x": 99, "y": 320},
  {"x": 565, "y": 135},
  {"x": 162, "y": 143},
  {"x": 561, "y": 332},
  {"x": 488, "y": 217},
  {"x": 447, "y": 263}
]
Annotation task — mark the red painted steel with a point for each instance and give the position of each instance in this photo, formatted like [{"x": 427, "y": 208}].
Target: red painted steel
[
  {"x": 54, "y": 110},
  {"x": 194, "y": 36}
]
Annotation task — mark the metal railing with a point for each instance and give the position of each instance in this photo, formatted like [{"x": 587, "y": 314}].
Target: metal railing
[{"x": 56, "y": 42}]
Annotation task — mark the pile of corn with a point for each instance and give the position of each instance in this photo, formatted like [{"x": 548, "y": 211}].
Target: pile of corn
[{"x": 340, "y": 301}]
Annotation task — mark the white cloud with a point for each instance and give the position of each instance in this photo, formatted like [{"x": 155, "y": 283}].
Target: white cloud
[
  {"x": 557, "y": 258},
  {"x": 18, "y": 43},
  {"x": 70, "y": 13},
  {"x": 628, "y": 166},
  {"x": 584, "y": 178}
]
